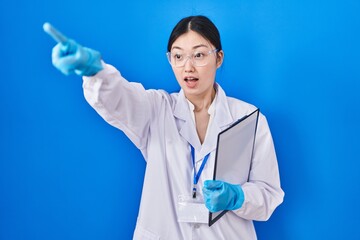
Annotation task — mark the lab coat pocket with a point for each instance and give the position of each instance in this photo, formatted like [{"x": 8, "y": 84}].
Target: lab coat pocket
[{"x": 143, "y": 234}]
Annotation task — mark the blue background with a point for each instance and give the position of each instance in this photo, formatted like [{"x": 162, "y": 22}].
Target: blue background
[{"x": 66, "y": 174}]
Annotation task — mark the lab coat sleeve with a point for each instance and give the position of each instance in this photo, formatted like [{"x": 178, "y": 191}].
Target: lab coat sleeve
[
  {"x": 124, "y": 105},
  {"x": 262, "y": 192}
]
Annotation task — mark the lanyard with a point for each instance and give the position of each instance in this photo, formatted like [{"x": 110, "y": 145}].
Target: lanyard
[{"x": 197, "y": 175}]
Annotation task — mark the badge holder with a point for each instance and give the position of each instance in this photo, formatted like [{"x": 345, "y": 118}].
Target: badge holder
[{"x": 192, "y": 210}]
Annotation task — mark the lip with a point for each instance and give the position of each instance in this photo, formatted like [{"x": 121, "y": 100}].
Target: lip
[
  {"x": 190, "y": 78},
  {"x": 191, "y": 81}
]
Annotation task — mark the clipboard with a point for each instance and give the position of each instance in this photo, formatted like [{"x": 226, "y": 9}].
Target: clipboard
[{"x": 234, "y": 152}]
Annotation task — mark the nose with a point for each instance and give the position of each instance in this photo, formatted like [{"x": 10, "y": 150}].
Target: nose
[{"x": 189, "y": 65}]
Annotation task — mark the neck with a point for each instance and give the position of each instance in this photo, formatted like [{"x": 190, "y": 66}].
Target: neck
[{"x": 202, "y": 102}]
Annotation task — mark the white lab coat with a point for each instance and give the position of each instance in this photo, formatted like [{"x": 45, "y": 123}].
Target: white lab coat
[{"x": 162, "y": 127}]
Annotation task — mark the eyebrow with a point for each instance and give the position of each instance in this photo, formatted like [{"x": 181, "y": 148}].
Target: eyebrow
[{"x": 195, "y": 47}]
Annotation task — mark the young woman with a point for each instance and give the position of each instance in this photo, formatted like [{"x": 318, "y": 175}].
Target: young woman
[{"x": 177, "y": 135}]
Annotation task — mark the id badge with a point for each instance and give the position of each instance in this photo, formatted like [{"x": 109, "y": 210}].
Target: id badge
[{"x": 192, "y": 210}]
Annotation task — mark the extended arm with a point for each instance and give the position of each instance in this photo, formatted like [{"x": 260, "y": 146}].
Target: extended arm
[{"x": 122, "y": 104}]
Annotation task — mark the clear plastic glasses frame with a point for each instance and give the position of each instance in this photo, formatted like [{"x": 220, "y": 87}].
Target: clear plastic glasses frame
[{"x": 197, "y": 58}]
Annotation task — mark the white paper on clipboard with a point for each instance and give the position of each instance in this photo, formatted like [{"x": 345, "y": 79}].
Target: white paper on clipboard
[{"x": 234, "y": 152}]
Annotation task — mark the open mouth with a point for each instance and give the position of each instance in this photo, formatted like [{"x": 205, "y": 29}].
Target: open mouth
[
  {"x": 190, "y": 79},
  {"x": 191, "y": 82}
]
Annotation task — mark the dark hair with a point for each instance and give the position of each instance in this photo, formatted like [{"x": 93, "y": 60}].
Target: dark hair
[{"x": 200, "y": 24}]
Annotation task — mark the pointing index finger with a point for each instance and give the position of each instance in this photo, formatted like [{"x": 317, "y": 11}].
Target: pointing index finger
[{"x": 54, "y": 33}]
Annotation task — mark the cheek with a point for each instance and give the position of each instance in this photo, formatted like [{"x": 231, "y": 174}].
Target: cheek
[
  {"x": 177, "y": 74},
  {"x": 209, "y": 73}
]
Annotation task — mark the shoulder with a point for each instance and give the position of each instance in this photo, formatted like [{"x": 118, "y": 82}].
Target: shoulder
[
  {"x": 160, "y": 98},
  {"x": 238, "y": 108},
  {"x": 235, "y": 103}
]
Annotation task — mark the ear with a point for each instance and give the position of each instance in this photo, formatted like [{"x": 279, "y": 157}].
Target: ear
[{"x": 219, "y": 58}]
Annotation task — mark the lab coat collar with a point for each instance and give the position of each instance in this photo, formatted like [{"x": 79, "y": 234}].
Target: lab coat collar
[{"x": 187, "y": 130}]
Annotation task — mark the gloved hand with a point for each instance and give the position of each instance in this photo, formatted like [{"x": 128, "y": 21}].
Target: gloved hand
[
  {"x": 70, "y": 57},
  {"x": 219, "y": 195}
]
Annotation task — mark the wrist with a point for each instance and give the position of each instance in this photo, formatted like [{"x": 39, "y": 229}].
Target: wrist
[
  {"x": 239, "y": 198},
  {"x": 92, "y": 64}
]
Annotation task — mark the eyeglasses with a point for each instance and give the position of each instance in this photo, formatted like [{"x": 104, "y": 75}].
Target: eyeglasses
[{"x": 198, "y": 59}]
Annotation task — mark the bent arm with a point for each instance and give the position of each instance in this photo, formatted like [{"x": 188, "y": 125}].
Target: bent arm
[
  {"x": 262, "y": 192},
  {"x": 124, "y": 105}
]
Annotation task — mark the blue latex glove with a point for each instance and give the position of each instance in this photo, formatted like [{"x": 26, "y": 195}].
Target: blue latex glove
[
  {"x": 70, "y": 57},
  {"x": 219, "y": 195}
]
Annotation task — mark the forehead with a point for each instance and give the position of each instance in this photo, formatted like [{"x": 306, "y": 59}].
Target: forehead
[{"x": 190, "y": 41}]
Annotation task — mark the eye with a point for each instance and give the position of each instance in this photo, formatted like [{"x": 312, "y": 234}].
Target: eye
[
  {"x": 178, "y": 56},
  {"x": 199, "y": 55}
]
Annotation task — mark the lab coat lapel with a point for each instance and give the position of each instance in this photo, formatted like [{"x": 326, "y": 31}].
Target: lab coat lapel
[
  {"x": 222, "y": 119},
  {"x": 186, "y": 125}
]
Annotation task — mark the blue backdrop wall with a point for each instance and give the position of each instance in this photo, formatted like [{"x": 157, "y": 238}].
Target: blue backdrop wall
[{"x": 66, "y": 174}]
